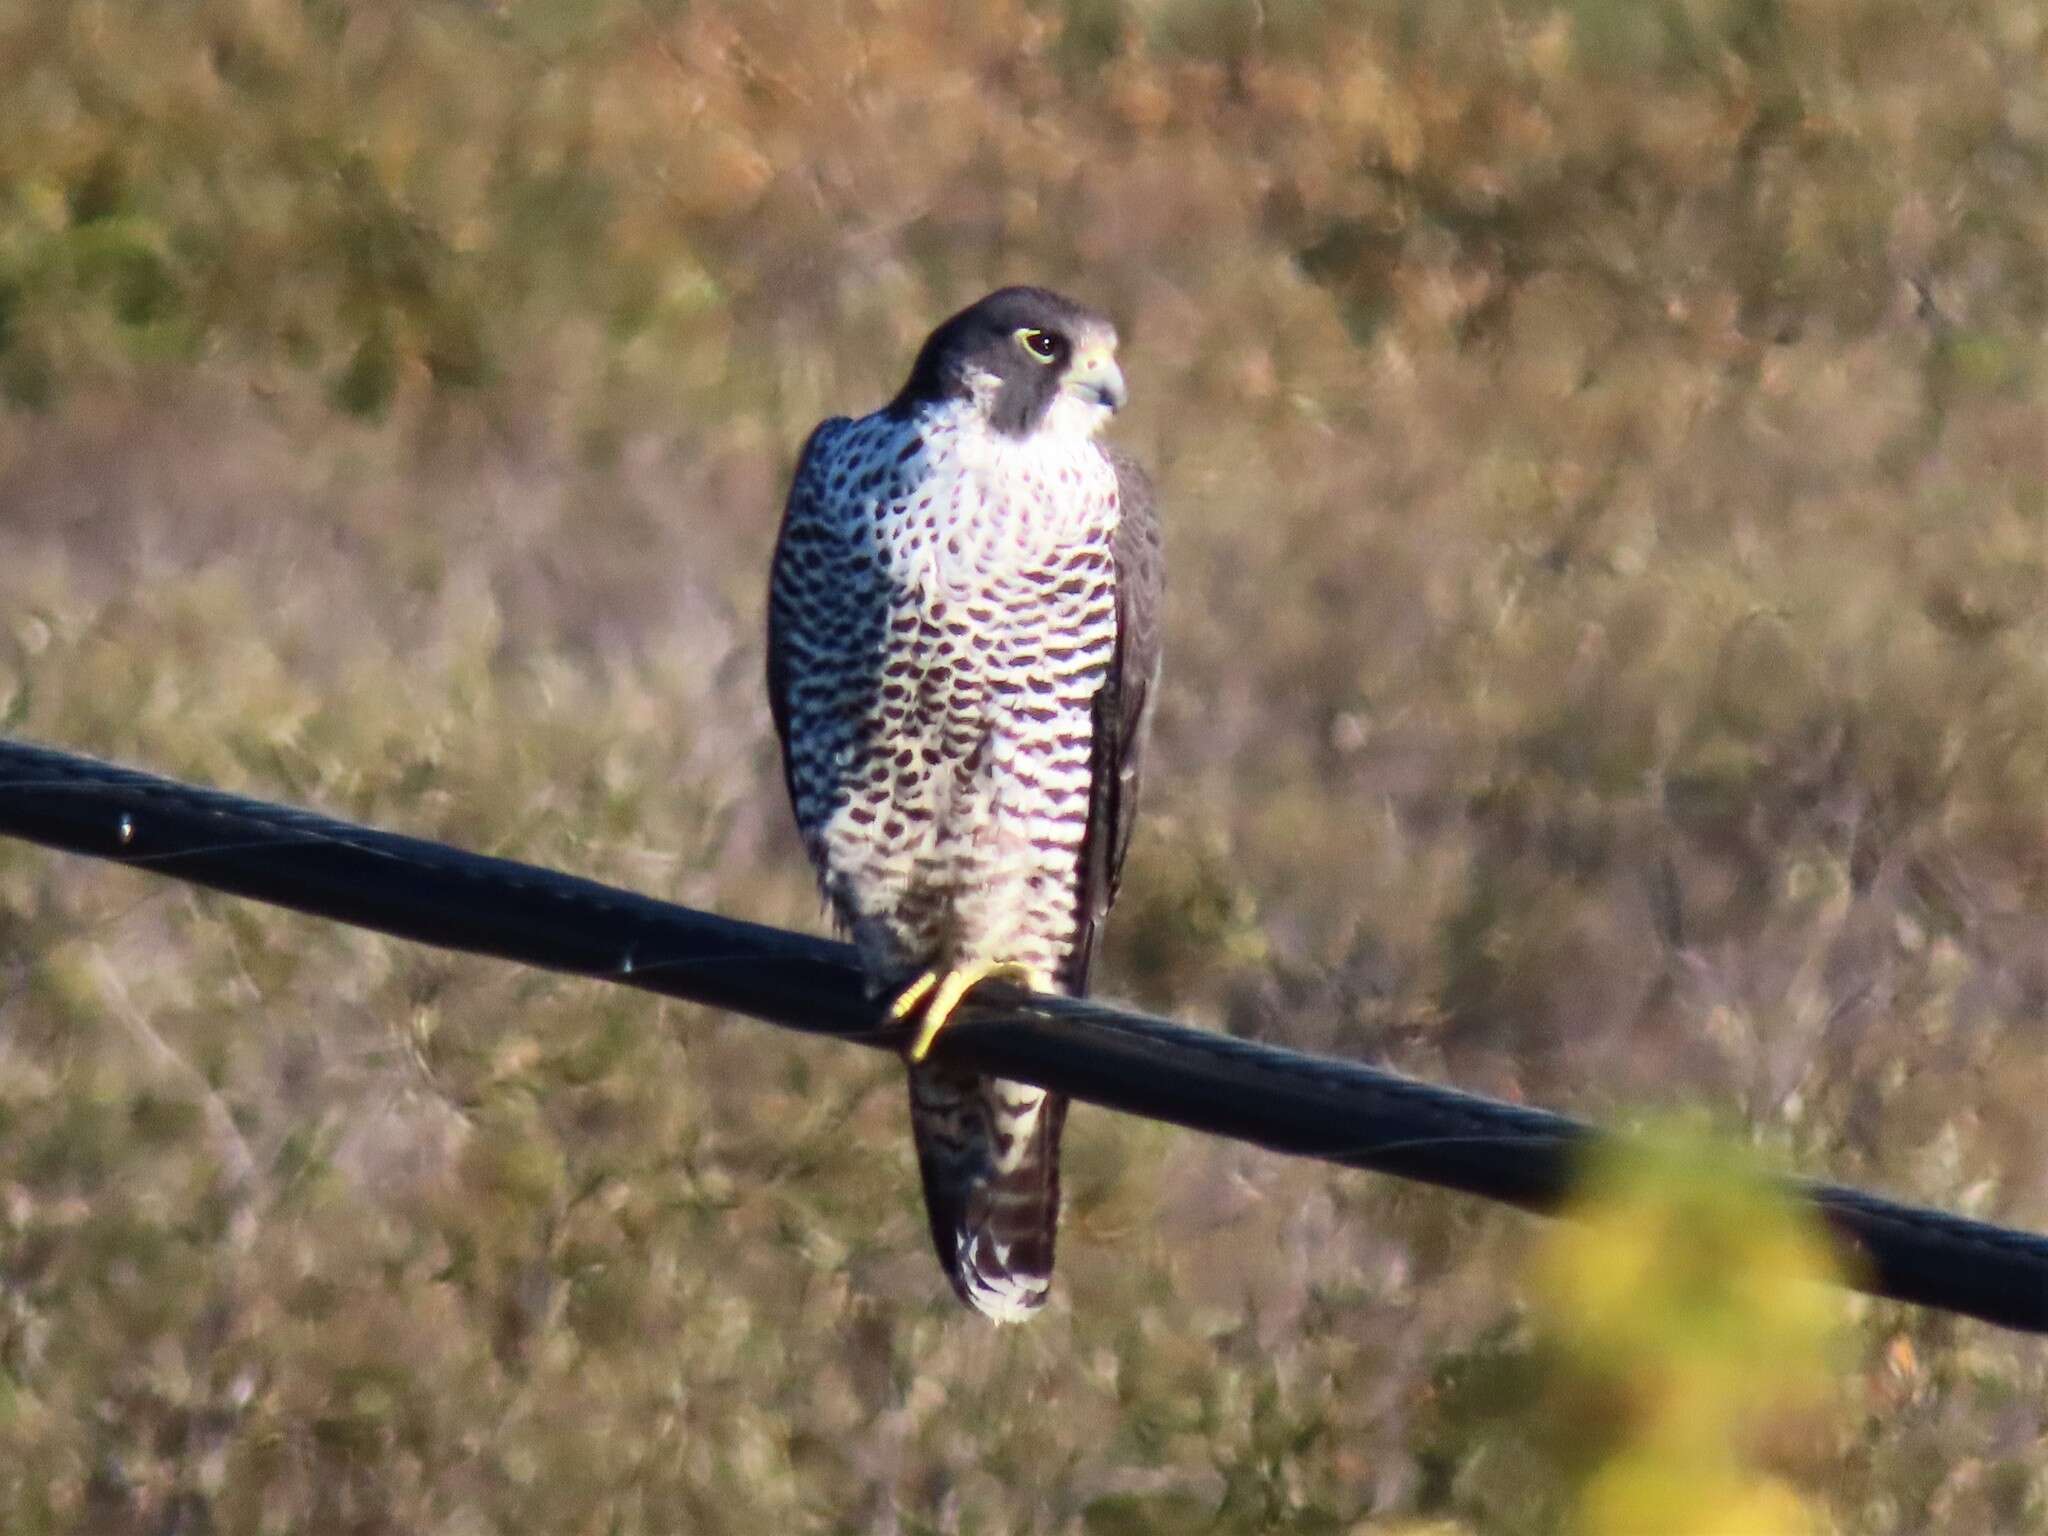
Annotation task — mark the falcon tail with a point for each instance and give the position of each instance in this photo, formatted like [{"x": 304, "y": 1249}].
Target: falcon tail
[{"x": 989, "y": 1150}]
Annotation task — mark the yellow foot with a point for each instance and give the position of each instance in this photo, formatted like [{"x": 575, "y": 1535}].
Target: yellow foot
[{"x": 935, "y": 994}]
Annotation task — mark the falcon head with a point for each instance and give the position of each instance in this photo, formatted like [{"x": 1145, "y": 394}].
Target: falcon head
[{"x": 1029, "y": 361}]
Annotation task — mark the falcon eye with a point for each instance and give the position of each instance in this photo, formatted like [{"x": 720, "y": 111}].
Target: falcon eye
[{"x": 1042, "y": 345}]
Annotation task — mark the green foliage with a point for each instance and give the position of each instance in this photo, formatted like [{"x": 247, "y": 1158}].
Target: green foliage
[
  {"x": 1676, "y": 1370},
  {"x": 1608, "y": 638},
  {"x": 1688, "y": 1305}
]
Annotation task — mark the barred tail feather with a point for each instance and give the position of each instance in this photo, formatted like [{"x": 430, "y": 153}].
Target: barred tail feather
[{"x": 989, "y": 1152}]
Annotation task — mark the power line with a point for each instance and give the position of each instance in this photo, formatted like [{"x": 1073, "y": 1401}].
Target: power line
[{"x": 1285, "y": 1100}]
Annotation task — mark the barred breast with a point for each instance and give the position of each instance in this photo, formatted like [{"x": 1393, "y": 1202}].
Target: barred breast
[{"x": 948, "y": 602}]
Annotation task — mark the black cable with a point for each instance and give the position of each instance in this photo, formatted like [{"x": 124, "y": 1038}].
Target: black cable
[{"x": 1285, "y": 1100}]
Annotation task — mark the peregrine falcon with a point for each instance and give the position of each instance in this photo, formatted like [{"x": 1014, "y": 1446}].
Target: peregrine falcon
[{"x": 963, "y": 637}]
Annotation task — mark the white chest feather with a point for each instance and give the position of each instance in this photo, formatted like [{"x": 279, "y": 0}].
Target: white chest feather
[{"x": 991, "y": 507}]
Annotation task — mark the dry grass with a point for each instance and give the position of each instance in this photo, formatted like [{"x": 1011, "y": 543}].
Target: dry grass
[{"x": 1609, "y": 664}]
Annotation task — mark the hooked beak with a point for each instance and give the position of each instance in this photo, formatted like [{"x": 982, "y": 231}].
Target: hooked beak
[{"x": 1095, "y": 378}]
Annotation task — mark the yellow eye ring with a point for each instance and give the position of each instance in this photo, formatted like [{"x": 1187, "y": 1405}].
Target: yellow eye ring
[{"x": 1042, "y": 345}]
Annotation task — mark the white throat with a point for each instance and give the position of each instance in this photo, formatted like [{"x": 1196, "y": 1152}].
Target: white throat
[{"x": 996, "y": 497}]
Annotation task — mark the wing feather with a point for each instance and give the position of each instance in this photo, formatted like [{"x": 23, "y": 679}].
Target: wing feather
[
  {"x": 1123, "y": 708},
  {"x": 804, "y": 488}
]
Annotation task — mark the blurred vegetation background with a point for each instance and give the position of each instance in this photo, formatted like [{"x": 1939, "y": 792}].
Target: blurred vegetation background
[{"x": 1603, "y": 445}]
